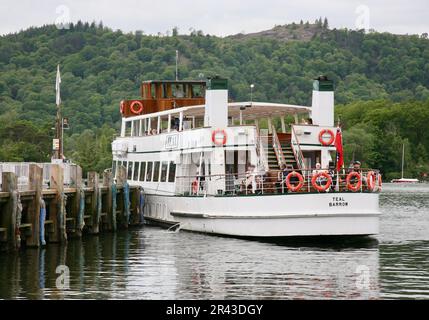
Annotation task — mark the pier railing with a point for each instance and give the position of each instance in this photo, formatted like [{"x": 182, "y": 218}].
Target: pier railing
[{"x": 280, "y": 182}]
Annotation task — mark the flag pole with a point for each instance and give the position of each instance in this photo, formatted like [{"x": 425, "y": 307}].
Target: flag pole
[{"x": 58, "y": 127}]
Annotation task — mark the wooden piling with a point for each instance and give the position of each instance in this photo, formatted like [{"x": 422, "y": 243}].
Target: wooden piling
[
  {"x": 8, "y": 217},
  {"x": 77, "y": 184},
  {"x": 36, "y": 184},
  {"x": 107, "y": 184},
  {"x": 56, "y": 208},
  {"x": 95, "y": 218},
  {"x": 98, "y": 217}
]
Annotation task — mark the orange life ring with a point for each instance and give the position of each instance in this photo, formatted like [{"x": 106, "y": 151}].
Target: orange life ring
[
  {"x": 300, "y": 183},
  {"x": 122, "y": 106},
  {"x": 140, "y": 107},
  {"x": 331, "y": 139},
  {"x": 194, "y": 187},
  {"x": 320, "y": 187},
  {"x": 350, "y": 186},
  {"x": 380, "y": 182},
  {"x": 370, "y": 178},
  {"x": 215, "y": 139}
]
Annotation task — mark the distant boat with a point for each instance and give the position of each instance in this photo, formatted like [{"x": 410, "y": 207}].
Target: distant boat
[{"x": 404, "y": 180}]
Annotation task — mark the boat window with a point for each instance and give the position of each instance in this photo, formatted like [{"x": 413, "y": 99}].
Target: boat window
[
  {"x": 136, "y": 171},
  {"x": 130, "y": 170},
  {"x": 172, "y": 172},
  {"x": 127, "y": 128},
  {"x": 178, "y": 91},
  {"x": 152, "y": 90},
  {"x": 197, "y": 91},
  {"x": 164, "y": 167},
  {"x": 156, "y": 171},
  {"x": 142, "y": 170},
  {"x": 136, "y": 128},
  {"x": 149, "y": 171}
]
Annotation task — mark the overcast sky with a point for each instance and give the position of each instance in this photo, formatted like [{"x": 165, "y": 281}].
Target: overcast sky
[{"x": 218, "y": 17}]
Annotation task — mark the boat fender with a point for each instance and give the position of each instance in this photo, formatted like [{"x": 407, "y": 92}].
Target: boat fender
[
  {"x": 315, "y": 178},
  {"x": 42, "y": 219},
  {"x": 300, "y": 184},
  {"x": 136, "y": 107},
  {"x": 331, "y": 138},
  {"x": 219, "y": 137},
  {"x": 356, "y": 186},
  {"x": 126, "y": 191}
]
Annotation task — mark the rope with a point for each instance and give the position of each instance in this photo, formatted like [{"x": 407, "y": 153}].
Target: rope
[{"x": 42, "y": 219}]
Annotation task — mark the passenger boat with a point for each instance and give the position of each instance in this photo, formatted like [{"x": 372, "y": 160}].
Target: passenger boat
[{"x": 245, "y": 169}]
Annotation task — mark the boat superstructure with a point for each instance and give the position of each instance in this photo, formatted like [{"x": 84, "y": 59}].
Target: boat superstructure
[{"x": 249, "y": 168}]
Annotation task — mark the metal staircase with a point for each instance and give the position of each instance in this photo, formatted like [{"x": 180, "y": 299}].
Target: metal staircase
[{"x": 286, "y": 150}]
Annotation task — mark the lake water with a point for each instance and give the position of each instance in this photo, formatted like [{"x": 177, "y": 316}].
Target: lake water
[{"x": 152, "y": 263}]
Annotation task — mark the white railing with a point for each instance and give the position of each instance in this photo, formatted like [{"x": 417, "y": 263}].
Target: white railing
[
  {"x": 277, "y": 182},
  {"x": 22, "y": 171}
]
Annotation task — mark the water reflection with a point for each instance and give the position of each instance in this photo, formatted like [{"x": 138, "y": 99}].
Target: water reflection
[
  {"x": 151, "y": 263},
  {"x": 154, "y": 264}
]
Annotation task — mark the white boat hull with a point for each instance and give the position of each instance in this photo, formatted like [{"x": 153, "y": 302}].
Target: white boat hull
[{"x": 270, "y": 215}]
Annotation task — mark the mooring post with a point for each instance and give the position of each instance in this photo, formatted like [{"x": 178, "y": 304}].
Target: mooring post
[
  {"x": 135, "y": 201},
  {"x": 8, "y": 218},
  {"x": 107, "y": 183},
  {"x": 77, "y": 184},
  {"x": 57, "y": 212},
  {"x": 36, "y": 184},
  {"x": 95, "y": 210}
]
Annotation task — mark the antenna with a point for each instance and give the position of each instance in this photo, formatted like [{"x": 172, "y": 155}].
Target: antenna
[{"x": 177, "y": 63}]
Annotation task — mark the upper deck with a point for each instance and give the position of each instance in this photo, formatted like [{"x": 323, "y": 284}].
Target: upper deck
[{"x": 165, "y": 95}]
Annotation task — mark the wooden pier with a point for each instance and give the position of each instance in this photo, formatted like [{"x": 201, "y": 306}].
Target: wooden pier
[{"x": 32, "y": 216}]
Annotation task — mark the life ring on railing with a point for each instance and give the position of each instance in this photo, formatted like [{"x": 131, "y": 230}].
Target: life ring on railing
[
  {"x": 380, "y": 182},
  {"x": 194, "y": 185},
  {"x": 321, "y": 188},
  {"x": 356, "y": 186},
  {"x": 133, "y": 107},
  {"x": 122, "y": 106},
  {"x": 219, "y": 137},
  {"x": 370, "y": 180},
  {"x": 331, "y": 138},
  {"x": 300, "y": 184}
]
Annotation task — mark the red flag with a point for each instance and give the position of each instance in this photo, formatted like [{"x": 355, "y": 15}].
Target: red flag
[{"x": 339, "y": 146}]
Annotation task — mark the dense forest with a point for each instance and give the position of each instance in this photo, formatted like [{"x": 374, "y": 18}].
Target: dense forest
[{"x": 382, "y": 84}]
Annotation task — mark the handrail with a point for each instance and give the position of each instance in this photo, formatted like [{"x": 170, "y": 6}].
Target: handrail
[
  {"x": 299, "y": 157},
  {"x": 278, "y": 148}
]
